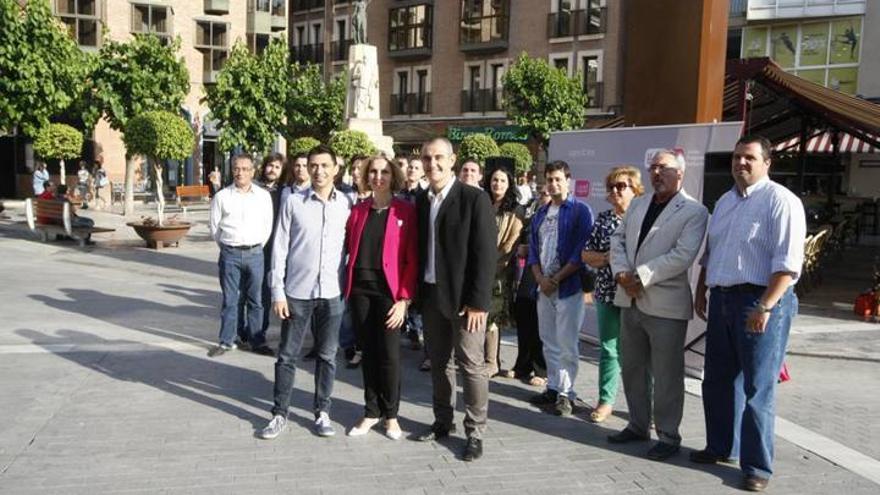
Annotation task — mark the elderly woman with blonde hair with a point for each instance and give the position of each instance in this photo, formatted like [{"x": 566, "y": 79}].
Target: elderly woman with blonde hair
[{"x": 622, "y": 185}]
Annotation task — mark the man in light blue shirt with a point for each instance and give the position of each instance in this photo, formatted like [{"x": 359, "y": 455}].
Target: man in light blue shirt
[
  {"x": 753, "y": 258},
  {"x": 307, "y": 266}
]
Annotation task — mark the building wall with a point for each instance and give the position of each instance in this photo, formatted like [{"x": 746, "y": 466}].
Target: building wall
[{"x": 869, "y": 71}]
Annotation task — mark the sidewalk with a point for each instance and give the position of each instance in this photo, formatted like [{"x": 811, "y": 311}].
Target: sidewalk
[{"x": 106, "y": 388}]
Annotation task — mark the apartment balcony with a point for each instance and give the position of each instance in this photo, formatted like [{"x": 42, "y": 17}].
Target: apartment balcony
[
  {"x": 306, "y": 5},
  {"x": 482, "y": 101},
  {"x": 259, "y": 22},
  {"x": 217, "y": 7},
  {"x": 484, "y": 35},
  {"x": 577, "y": 23},
  {"x": 411, "y": 104},
  {"x": 308, "y": 54}
]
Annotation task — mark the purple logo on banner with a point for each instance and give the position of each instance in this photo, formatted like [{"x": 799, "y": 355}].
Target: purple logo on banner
[{"x": 582, "y": 188}]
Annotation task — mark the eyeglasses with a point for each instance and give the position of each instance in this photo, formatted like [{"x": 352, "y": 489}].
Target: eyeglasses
[{"x": 619, "y": 186}]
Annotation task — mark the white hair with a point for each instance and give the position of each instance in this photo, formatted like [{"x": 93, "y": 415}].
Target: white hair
[{"x": 677, "y": 156}]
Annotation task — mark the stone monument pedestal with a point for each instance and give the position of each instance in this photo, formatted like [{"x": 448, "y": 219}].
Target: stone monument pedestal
[{"x": 362, "y": 102}]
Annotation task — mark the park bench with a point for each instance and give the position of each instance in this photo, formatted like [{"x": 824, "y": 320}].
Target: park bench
[
  {"x": 59, "y": 213},
  {"x": 192, "y": 195}
]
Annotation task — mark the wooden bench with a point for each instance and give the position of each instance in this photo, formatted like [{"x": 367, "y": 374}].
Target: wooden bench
[
  {"x": 59, "y": 213},
  {"x": 192, "y": 195}
]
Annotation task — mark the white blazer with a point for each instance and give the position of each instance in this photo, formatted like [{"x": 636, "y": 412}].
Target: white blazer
[{"x": 666, "y": 255}]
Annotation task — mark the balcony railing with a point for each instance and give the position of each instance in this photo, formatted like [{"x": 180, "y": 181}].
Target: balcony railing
[
  {"x": 308, "y": 54},
  {"x": 576, "y": 23},
  {"x": 411, "y": 104},
  {"x": 482, "y": 101},
  {"x": 339, "y": 50},
  {"x": 217, "y": 7}
]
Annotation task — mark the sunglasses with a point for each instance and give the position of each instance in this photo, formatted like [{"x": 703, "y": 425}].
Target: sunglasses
[{"x": 618, "y": 186}]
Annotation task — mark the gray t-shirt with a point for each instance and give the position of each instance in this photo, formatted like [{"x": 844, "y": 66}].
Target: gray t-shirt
[{"x": 549, "y": 232}]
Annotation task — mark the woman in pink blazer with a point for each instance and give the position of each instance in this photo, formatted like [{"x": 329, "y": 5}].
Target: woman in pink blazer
[{"x": 381, "y": 239}]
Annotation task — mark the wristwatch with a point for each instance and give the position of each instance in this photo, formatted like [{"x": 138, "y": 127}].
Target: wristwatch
[{"x": 763, "y": 309}]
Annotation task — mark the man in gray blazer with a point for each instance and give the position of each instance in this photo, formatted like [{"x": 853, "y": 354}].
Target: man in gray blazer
[{"x": 651, "y": 252}]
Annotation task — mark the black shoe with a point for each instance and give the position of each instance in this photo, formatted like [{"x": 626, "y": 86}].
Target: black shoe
[
  {"x": 473, "y": 450},
  {"x": 263, "y": 350},
  {"x": 221, "y": 349},
  {"x": 545, "y": 398},
  {"x": 349, "y": 352},
  {"x": 625, "y": 436},
  {"x": 562, "y": 406},
  {"x": 706, "y": 456},
  {"x": 436, "y": 433},
  {"x": 662, "y": 451},
  {"x": 244, "y": 345},
  {"x": 754, "y": 483}
]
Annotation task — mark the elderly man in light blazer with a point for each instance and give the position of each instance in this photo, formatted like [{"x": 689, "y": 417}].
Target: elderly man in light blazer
[{"x": 651, "y": 252}]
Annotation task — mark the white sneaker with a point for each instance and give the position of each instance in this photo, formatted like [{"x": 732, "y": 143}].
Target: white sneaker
[
  {"x": 323, "y": 427},
  {"x": 274, "y": 428}
]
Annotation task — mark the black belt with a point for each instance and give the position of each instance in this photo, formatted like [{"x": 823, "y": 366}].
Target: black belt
[
  {"x": 244, "y": 248},
  {"x": 742, "y": 288}
]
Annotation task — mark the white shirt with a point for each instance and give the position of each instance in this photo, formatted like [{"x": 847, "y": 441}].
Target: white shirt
[
  {"x": 755, "y": 235},
  {"x": 525, "y": 194},
  {"x": 241, "y": 218},
  {"x": 436, "y": 201}
]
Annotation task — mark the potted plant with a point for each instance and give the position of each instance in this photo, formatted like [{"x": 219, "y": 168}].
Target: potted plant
[{"x": 159, "y": 135}]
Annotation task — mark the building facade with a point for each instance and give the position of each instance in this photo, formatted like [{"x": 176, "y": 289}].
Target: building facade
[
  {"x": 441, "y": 63},
  {"x": 207, "y": 30}
]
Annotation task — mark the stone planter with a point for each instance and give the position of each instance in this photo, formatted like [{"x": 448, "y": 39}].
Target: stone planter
[{"x": 158, "y": 237}]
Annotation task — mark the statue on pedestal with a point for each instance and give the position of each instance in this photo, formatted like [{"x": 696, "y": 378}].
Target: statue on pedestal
[{"x": 359, "y": 22}]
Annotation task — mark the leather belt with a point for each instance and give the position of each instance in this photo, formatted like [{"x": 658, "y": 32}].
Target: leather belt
[
  {"x": 749, "y": 288},
  {"x": 245, "y": 248}
]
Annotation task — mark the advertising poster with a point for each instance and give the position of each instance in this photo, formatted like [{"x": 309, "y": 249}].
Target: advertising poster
[
  {"x": 845, "y": 37},
  {"x": 783, "y": 46},
  {"x": 814, "y": 44}
]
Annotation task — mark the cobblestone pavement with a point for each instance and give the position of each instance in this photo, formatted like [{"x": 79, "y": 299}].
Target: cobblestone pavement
[{"x": 105, "y": 387}]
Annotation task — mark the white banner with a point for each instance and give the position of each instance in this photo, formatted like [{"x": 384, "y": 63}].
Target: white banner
[{"x": 591, "y": 154}]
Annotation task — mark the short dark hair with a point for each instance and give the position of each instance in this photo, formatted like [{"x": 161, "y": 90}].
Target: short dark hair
[
  {"x": 273, "y": 157},
  {"x": 322, "y": 149},
  {"x": 557, "y": 165},
  {"x": 242, "y": 156},
  {"x": 469, "y": 159},
  {"x": 766, "y": 146}
]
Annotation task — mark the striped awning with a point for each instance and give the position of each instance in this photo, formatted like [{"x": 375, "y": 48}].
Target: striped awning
[{"x": 821, "y": 143}]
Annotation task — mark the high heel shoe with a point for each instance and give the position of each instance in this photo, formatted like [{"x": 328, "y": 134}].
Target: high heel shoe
[
  {"x": 394, "y": 432},
  {"x": 363, "y": 427},
  {"x": 601, "y": 413}
]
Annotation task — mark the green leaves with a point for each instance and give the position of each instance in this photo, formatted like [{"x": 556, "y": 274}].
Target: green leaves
[
  {"x": 160, "y": 135},
  {"x": 520, "y": 154},
  {"x": 314, "y": 107},
  {"x": 477, "y": 146},
  {"x": 542, "y": 98},
  {"x": 135, "y": 77},
  {"x": 301, "y": 145},
  {"x": 59, "y": 141},
  {"x": 350, "y": 143},
  {"x": 43, "y": 70}
]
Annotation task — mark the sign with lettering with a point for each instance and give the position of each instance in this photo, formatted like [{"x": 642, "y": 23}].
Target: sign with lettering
[{"x": 500, "y": 133}]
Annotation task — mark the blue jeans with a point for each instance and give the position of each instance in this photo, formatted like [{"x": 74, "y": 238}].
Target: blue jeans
[
  {"x": 325, "y": 315},
  {"x": 241, "y": 278},
  {"x": 740, "y": 375}
]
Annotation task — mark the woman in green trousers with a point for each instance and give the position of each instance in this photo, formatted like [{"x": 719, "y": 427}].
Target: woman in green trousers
[{"x": 622, "y": 185}]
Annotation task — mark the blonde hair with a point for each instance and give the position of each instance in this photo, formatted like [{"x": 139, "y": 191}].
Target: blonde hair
[
  {"x": 628, "y": 172},
  {"x": 397, "y": 178}
]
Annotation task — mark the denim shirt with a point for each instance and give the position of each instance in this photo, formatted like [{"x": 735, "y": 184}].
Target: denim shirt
[{"x": 575, "y": 225}]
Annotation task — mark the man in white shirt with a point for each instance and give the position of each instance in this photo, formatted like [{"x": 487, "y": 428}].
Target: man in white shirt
[
  {"x": 241, "y": 223},
  {"x": 754, "y": 254}
]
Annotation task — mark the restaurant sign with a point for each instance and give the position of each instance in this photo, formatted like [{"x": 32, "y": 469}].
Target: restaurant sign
[{"x": 501, "y": 133}]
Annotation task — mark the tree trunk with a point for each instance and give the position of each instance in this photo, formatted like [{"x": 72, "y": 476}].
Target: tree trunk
[
  {"x": 63, "y": 180},
  {"x": 160, "y": 195},
  {"x": 128, "y": 204}
]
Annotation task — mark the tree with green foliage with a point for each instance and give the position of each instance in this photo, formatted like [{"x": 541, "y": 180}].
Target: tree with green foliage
[
  {"x": 301, "y": 145},
  {"x": 542, "y": 98},
  {"x": 159, "y": 136},
  {"x": 314, "y": 107},
  {"x": 42, "y": 71},
  {"x": 131, "y": 78},
  {"x": 58, "y": 141},
  {"x": 478, "y": 146},
  {"x": 248, "y": 100},
  {"x": 350, "y": 143},
  {"x": 522, "y": 157}
]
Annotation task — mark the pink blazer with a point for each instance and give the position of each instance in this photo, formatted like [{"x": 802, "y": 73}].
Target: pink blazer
[{"x": 400, "y": 260}]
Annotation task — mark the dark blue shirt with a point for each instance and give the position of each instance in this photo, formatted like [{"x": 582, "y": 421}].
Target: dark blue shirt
[{"x": 575, "y": 225}]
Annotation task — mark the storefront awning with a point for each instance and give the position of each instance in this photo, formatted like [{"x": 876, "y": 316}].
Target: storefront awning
[{"x": 824, "y": 143}]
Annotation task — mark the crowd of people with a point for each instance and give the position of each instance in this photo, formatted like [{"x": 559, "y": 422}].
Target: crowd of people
[
  {"x": 448, "y": 254},
  {"x": 90, "y": 181}
]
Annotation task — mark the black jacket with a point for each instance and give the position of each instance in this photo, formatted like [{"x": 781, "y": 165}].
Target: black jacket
[{"x": 466, "y": 255}]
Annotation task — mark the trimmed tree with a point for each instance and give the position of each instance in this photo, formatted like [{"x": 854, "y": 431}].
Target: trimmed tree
[
  {"x": 522, "y": 157},
  {"x": 301, "y": 145},
  {"x": 133, "y": 78},
  {"x": 43, "y": 70},
  {"x": 314, "y": 107},
  {"x": 58, "y": 141},
  {"x": 159, "y": 136},
  {"x": 350, "y": 143},
  {"x": 478, "y": 146},
  {"x": 542, "y": 98},
  {"x": 248, "y": 100}
]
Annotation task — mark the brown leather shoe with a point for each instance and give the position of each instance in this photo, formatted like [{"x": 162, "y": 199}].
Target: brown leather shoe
[{"x": 754, "y": 483}]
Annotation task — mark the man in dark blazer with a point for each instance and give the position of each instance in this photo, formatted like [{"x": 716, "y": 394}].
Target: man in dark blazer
[{"x": 457, "y": 257}]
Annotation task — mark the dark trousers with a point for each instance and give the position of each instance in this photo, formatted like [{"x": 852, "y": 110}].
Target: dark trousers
[
  {"x": 369, "y": 304},
  {"x": 530, "y": 351}
]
